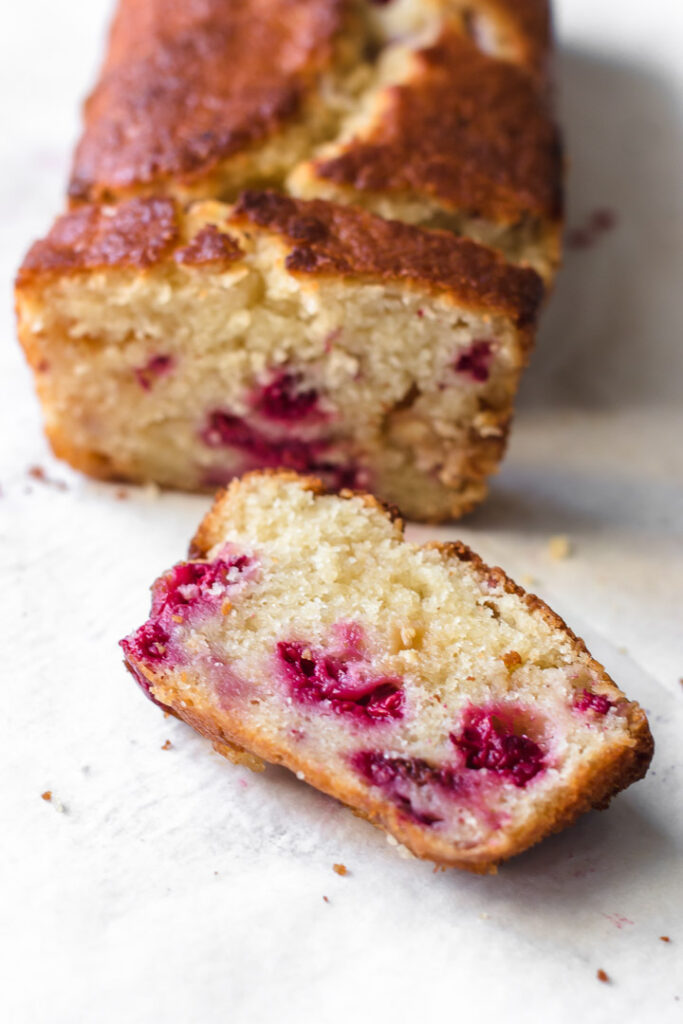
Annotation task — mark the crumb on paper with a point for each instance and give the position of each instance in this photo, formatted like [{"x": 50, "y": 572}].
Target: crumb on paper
[
  {"x": 559, "y": 547},
  {"x": 167, "y": 745},
  {"x": 121, "y": 494},
  {"x": 151, "y": 491},
  {"x": 47, "y": 795},
  {"x": 664, "y": 938},
  {"x": 38, "y": 473},
  {"x": 603, "y": 976},
  {"x": 340, "y": 869},
  {"x": 326, "y": 898}
]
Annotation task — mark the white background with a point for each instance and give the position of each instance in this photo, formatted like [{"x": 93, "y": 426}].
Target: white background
[{"x": 177, "y": 888}]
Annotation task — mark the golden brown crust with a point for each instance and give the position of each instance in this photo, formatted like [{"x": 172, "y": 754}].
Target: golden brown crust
[
  {"x": 209, "y": 245},
  {"x": 591, "y": 787},
  {"x": 329, "y": 238},
  {"x": 135, "y": 234},
  {"x": 326, "y": 239},
  {"x": 188, "y": 83},
  {"x": 469, "y": 132}
]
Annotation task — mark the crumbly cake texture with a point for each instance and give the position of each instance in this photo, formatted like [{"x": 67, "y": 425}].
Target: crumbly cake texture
[
  {"x": 430, "y": 111},
  {"x": 187, "y": 347},
  {"x": 415, "y": 684}
]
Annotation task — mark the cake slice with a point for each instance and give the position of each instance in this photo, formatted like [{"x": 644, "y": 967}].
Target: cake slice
[
  {"x": 417, "y": 685},
  {"x": 186, "y": 347}
]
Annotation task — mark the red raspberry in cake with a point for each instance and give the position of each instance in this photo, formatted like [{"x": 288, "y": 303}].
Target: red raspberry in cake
[
  {"x": 317, "y": 454},
  {"x": 487, "y": 740},
  {"x": 475, "y": 361},
  {"x": 155, "y": 367},
  {"x": 306, "y": 631},
  {"x": 342, "y": 684},
  {"x": 287, "y": 398},
  {"x": 596, "y": 702}
]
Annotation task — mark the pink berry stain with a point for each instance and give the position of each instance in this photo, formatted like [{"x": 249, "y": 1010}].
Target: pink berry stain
[
  {"x": 189, "y": 590},
  {"x": 488, "y": 741},
  {"x": 287, "y": 399},
  {"x": 475, "y": 361},
  {"x": 155, "y": 367},
  {"x": 406, "y": 781},
  {"x": 222, "y": 429},
  {"x": 339, "y": 681},
  {"x": 588, "y": 701}
]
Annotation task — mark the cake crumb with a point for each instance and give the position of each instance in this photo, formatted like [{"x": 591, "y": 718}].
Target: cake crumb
[
  {"x": 47, "y": 795},
  {"x": 38, "y": 473},
  {"x": 512, "y": 660},
  {"x": 341, "y": 869},
  {"x": 326, "y": 898},
  {"x": 603, "y": 976},
  {"x": 121, "y": 494},
  {"x": 167, "y": 745},
  {"x": 559, "y": 547},
  {"x": 151, "y": 491},
  {"x": 664, "y": 938}
]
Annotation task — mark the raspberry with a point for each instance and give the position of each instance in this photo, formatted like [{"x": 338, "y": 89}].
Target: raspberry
[
  {"x": 339, "y": 684},
  {"x": 486, "y": 742},
  {"x": 287, "y": 399},
  {"x": 222, "y": 429},
  {"x": 475, "y": 361},
  {"x": 588, "y": 701}
]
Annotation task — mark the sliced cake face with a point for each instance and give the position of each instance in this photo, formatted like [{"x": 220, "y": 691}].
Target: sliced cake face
[
  {"x": 415, "y": 684},
  {"x": 188, "y": 348}
]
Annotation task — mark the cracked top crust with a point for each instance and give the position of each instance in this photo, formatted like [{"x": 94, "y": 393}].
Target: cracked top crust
[
  {"x": 330, "y": 238},
  {"x": 189, "y": 82},
  {"x": 466, "y": 130}
]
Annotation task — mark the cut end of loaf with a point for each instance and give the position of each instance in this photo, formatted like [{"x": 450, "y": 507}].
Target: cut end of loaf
[
  {"x": 417, "y": 685},
  {"x": 187, "y": 347}
]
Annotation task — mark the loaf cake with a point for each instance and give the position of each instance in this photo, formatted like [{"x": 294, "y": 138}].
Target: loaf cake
[
  {"x": 189, "y": 347},
  {"x": 274, "y": 253},
  {"x": 415, "y": 684}
]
